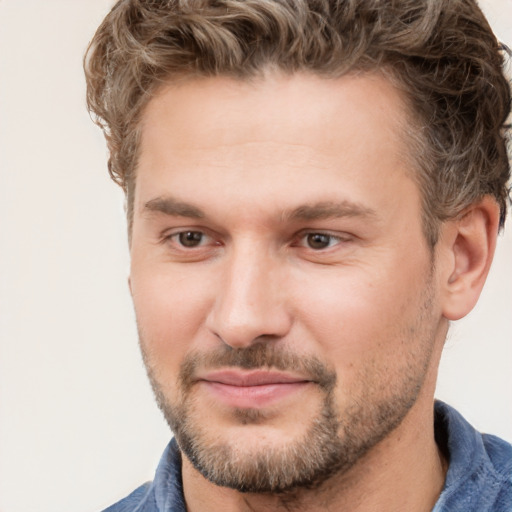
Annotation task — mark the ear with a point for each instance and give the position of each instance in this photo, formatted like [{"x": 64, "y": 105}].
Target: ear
[{"x": 468, "y": 248}]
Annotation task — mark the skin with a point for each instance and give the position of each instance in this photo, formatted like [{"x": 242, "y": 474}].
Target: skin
[{"x": 256, "y": 169}]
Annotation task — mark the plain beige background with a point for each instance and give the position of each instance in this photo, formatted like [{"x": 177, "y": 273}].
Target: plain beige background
[{"x": 78, "y": 425}]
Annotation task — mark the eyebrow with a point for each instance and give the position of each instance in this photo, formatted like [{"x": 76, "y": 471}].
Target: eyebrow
[
  {"x": 315, "y": 211},
  {"x": 329, "y": 209},
  {"x": 173, "y": 207}
]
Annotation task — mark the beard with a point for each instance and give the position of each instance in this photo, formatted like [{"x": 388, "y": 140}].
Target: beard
[
  {"x": 331, "y": 444},
  {"x": 334, "y": 438}
]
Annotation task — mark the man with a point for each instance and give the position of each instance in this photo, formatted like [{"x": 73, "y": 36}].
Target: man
[{"x": 314, "y": 189}]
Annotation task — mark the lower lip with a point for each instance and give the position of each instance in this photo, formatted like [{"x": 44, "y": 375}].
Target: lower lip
[{"x": 250, "y": 397}]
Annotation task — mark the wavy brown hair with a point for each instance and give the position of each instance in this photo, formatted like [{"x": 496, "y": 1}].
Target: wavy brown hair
[{"x": 441, "y": 53}]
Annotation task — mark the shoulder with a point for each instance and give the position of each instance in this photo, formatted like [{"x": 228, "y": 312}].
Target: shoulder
[
  {"x": 479, "y": 477},
  {"x": 165, "y": 493},
  {"x": 499, "y": 453},
  {"x": 492, "y": 479},
  {"x": 140, "y": 497}
]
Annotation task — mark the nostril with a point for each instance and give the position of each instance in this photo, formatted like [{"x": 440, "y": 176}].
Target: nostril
[{"x": 241, "y": 325}]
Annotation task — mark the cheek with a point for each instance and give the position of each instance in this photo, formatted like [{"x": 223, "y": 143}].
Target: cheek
[
  {"x": 371, "y": 336},
  {"x": 170, "y": 310},
  {"x": 355, "y": 315}
]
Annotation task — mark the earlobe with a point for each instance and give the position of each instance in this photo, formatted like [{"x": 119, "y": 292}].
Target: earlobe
[{"x": 470, "y": 242}]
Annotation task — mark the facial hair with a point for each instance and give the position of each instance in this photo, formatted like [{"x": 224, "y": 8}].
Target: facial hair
[{"x": 333, "y": 440}]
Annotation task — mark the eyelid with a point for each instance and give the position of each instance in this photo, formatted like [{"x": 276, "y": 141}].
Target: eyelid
[
  {"x": 213, "y": 239},
  {"x": 339, "y": 237},
  {"x": 171, "y": 235}
]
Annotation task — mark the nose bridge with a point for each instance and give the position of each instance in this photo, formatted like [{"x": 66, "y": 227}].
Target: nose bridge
[{"x": 250, "y": 302}]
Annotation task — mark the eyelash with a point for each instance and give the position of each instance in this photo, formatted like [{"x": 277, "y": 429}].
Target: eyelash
[
  {"x": 300, "y": 241},
  {"x": 320, "y": 235},
  {"x": 176, "y": 238}
]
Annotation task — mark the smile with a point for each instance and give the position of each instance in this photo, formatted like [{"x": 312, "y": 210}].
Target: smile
[{"x": 251, "y": 389}]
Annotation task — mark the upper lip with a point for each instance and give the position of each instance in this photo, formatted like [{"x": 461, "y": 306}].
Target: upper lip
[{"x": 250, "y": 378}]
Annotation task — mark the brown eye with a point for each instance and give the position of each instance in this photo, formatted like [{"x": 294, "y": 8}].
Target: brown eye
[
  {"x": 190, "y": 238},
  {"x": 318, "y": 240}
]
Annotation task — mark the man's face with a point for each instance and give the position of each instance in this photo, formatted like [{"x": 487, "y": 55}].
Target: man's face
[{"x": 284, "y": 292}]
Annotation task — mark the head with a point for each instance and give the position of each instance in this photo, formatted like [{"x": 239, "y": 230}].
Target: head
[{"x": 301, "y": 179}]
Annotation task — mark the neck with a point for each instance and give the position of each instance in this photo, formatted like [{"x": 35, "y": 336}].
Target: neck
[{"x": 404, "y": 472}]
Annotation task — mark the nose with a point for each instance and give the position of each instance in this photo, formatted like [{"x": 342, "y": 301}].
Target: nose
[{"x": 250, "y": 304}]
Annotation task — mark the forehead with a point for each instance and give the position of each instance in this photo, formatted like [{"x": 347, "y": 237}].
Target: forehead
[
  {"x": 294, "y": 106},
  {"x": 300, "y": 133}
]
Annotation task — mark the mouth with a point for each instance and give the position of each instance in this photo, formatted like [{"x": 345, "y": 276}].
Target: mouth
[{"x": 254, "y": 389}]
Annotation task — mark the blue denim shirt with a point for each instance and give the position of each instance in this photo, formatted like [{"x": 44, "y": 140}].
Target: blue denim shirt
[{"x": 479, "y": 477}]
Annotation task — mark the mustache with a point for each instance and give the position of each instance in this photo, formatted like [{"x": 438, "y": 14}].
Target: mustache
[{"x": 260, "y": 356}]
